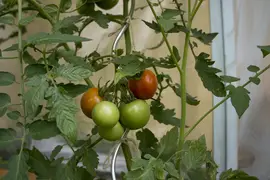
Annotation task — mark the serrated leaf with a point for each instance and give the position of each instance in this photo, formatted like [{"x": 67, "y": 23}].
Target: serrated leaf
[
  {"x": 34, "y": 69},
  {"x": 168, "y": 144},
  {"x": 229, "y": 79},
  {"x": 55, "y": 152},
  {"x": 14, "y": 115},
  {"x": 90, "y": 161},
  {"x": 162, "y": 115},
  {"x": 67, "y": 22},
  {"x": 190, "y": 99},
  {"x": 27, "y": 58},
  {"x": 64, "y": 5},
  {"x": 208, "y": 75},
  {"x": 153, "y": 26},
  {"x": 5, "y": 100},
  {"x": 265, "y": 50},
  {"x": 75, "y": 60},
  {"x": 36, "y": 93},
  {"x": 27, "y": 20},
  {"x": 255, "y": 80},
  {"x": 42, "y": 129},
  {"x": 170, "y": 13},
  {"x": 205, "y": 38},
  {"x": 51, "y": 9},
  {"x": 7, "y": 20},
  {"x": 148, "y": 142},
  {"x": 236, "y": 175},
  {"x": 74, "y": 90},
  {"x": 7, "y": 137},
  {"x": 46, "y": 38},
  {"x": 253, "y": 68},
  {"x": 73, "y": 73},
  {"x": 6, "y": 78},
  {"x": 17, "y": 167},
  {"x": 240, "y": 99},
  {"x": 167, "y": 24},
  {"x": 170, "y": 168},
  {"x": 101, "y": 19}
]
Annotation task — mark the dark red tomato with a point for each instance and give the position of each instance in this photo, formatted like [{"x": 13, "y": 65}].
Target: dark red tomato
[
  {"x": 88, "y": 101},
  {"x": 145, "y": 87}
]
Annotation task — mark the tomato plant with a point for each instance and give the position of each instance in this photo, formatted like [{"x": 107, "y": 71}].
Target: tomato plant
[
  {"x": 89, "y": 100},
  {"x": 53, "y": 74},
  {"x": 145, "y": 87},
  {"x": 135, "y": 115}
]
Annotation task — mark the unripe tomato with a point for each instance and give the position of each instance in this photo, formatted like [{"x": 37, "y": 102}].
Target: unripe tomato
[
  {"x": 135, "y": 114},
  {"x": 107, "y": 4},
  {"x": 105, "y": 114},
  {"x": 85, "y": 7},
  {"x": 111, "y": 134},
  {"x": 145, "y": 87},
  {"x": 88, "y": 101}
]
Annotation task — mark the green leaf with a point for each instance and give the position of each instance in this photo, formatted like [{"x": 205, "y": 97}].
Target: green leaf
[
  {"x": 253, "y": 68},
  {"x": 14, "y": 47},
  {"x": 55, "y": 152},
  {"x": 42, "y": 129},
  {"x": 153, "y": 26},
  {"x": 167, "y": 24},
  {"x": 190, "y": 99},
  {"x": 75, "y": 60},
  {"x": 73, "y": 73},
  {"x": 229, "y": 79},
  {"x": 51, "y": 9},
  {"x": 236, "y": 175},
  {"x": 17, "y": 167},
  {"x": 208, "y": 75},
  {"x": 67, "y": 22},
  {"x": 64, "y": 5},
  {"x": 170, "y": 168},
  {"x": 265, "y": 50},
  {"x": 7, "y": 137},
  {"x": 90, "y": 161},
  {"x": 4, "y": 102},
  {"x": 101, "y": 19},
  {"x": 34, "y": 69},
  {"x": 148, "y": 142},
  {"x": 170, "y": 13},
  {"x": 168, "y": 144},
  {"x": 74, "y": 90},
  {"x": 6, "y": 78},
  {"x": 27, "y": 58},
  {"x": 8, "y": 19},
  {"x": 36, "y": 93},
  {"x": 14, "y": 115},
  {"x": 162, "y": 115},
  {"x": 255, "y": 80},
  {"x": 240, "y": 99},
  {"x": 46, "y": 38},
  {"x": 205, "y": 38},
  {"x": 27, "y": 20}
]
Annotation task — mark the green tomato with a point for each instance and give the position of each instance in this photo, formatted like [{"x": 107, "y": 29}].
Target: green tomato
[
  {"x": 107, "y": 4},
  {"x": 84, "y": 7},
  {"x": 135, "y": 115},
  {"x": 105, "y": 114},
  {"x": 111, "y": 134}
]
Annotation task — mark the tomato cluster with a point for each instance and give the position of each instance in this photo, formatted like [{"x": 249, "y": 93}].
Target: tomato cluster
[
  {"x": 110, "y": 119},
  {"x": 86, "y": 7}
]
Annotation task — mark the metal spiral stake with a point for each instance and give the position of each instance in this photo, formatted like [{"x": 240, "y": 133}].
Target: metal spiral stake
[{"x": 114, "y": 47}]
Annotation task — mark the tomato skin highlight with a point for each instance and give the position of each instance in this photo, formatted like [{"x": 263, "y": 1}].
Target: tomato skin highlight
[
  {"x": 107, "y": 4},
  {"x": 111, "y": 134},
  {"x": 144, "y": 88},
  {"x": 135, "y": 114},
  {"x": 105, "y": 114},
  {"x": 88, "y": 101}
]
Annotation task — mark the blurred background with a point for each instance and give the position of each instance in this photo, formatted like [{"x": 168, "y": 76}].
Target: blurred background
[{"x": 241, "y": 24}]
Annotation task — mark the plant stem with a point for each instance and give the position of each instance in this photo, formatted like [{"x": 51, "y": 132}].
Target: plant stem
[
  {"x": 127, "y": 32},
  {"x": 165, "y": 38},
  {"x": 221, "y": 102},
  {"x": 127, "y": 155},
  {"x": 95, "y": 142}
]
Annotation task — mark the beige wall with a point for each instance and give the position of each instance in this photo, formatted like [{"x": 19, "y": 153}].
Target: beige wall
[{"x": 143, "y": 38}]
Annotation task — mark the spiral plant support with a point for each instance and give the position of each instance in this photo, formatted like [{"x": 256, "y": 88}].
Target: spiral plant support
[{"x": 124, "y": 27}]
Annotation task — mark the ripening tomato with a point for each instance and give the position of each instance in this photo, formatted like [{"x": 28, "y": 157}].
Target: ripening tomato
[
  {"x": 88, "y": 101},
  {"x": 145, "y": 87},
  {"x": 105, "y": 114},
  {"x": 111, "y": 134},
  {"x": 107, "y": 4},
  {"x": 85, "y": 7},
  {"x": 135, "y": 114}
]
